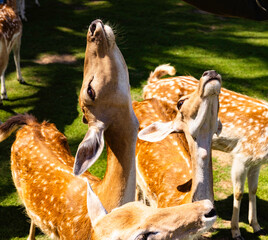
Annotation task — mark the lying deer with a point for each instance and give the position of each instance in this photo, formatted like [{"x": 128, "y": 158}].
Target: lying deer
[
  {"x": 41, "y": 162},
  {"x": 136, "y": 221},
  {"x": 178, "y": 168},
  {"x": 244, "y": 135},
  {"x": 10, "y": 39}
]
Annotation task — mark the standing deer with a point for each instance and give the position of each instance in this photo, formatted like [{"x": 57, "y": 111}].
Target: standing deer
[
  {"x": 10, "y": 39},
  {"x": 41, "y": 162},
  {"x": 244, "y": 135},
  {"x": 178, "y": 169}
]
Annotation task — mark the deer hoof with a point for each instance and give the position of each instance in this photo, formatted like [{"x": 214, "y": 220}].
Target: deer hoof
[
  {"x": 261, "y": 232},
  {"x": 21, "y": 81},
  {"x": 239, "y": 238},
  {"x": 4, "y": 97}
]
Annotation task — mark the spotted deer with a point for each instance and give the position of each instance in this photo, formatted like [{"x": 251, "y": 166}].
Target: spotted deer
[
  {"x": 178, "y": 168},
  {"x": 244, "y": 135},
  {"x": 42, "y": 165},
  {"x": 65, "y": 207},
  {"x": 10, "y": 39}
]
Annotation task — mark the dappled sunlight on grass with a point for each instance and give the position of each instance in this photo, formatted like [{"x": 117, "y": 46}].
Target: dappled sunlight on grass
[{"x": 149, "y": 33}]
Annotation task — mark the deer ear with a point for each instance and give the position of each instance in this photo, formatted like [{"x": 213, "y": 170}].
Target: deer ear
[
  {"x": 88, "y": 150},
  {"x": 94, "y": 206},
  {"x": 157, "y": 131}
]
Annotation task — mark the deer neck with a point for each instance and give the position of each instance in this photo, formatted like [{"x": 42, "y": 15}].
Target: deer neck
[
  {"x": 119, "y": 183},
  {"x": 202, "y": 185}
]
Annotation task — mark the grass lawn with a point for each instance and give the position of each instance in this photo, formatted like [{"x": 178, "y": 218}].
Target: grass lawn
[{"x": 149, "y": 33}]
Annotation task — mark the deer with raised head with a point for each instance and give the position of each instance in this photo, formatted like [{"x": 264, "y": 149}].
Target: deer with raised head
[
  {"x": 41, "y": 162},
  {"x": 244, "y": 135},
  {"x": 10, "y": 39},
  {"x": 178, "y": 168},
  {"x": 65, "y": 206}
]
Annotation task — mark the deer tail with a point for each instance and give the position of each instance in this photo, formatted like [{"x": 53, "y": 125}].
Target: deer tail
[
  {"x": 161, "y": 71},
  {"x": 13, "y": 123}
]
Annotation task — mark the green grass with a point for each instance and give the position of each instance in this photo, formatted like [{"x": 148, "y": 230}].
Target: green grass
[{"x": 149, "y": 33}]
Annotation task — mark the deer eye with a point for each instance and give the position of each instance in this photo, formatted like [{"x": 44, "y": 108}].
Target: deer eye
[
  {"x": 180, "y": 102},
  {"x": 91, "y": 92},
  {"x": 145, "y": 236}
]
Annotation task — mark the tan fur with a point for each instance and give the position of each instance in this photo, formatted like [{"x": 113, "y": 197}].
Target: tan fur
[
  {"x": 244, "y": 134},
  {"x": 42, "y": 166},
  {"x": 133, "y": 220},
  {"x": 167, "y": 170},
  {"x": 154, "y": 160}
]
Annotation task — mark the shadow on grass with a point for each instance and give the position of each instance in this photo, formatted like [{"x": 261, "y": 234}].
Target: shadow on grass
[
  {"x": 224, "y": 210},
  {"x": 14, "y": 223},
  {"x": 150, "y": 32}
]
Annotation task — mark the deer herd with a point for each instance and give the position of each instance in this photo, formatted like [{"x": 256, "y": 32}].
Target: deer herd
[{"x": 159, "y": 150}]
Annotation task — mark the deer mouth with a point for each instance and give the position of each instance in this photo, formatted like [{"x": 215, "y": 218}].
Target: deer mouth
[
  {"x": 101, "y": 34},
  {"x": 211, "y": 83}
]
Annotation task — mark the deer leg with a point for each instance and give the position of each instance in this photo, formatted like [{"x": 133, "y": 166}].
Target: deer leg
[
  {"x": 253, "y": 177},
  {"x": 3, "y": 66},
  {"x": 16, "y": 51},
  {"x": 238, "y": 179},
  {"x": 3, "y": 87},
  {"x": 22, "y": 10},
  {"x": 32, "y": 231},
  {"x": 37, "y": 3}
]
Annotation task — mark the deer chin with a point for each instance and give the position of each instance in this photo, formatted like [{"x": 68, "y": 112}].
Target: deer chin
[{"x": 212, "y": 87}]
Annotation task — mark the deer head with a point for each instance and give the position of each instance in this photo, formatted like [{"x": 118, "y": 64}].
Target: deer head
[
  {"x": 104, "y": 97},
  {"x": 135, "y": 221},
  {"x": 198, "y": 119}
]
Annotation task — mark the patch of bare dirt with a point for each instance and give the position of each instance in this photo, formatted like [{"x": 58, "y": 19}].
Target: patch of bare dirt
[
  {"x": 54, "y": 58},
  {"x": 225, "y": 158}
]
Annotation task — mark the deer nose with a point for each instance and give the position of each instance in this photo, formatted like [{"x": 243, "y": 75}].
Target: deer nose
[
  {"x": 212, "y": 213},
  {"x": 93, "y": 25},
  {"x": 210, "y": 73}
]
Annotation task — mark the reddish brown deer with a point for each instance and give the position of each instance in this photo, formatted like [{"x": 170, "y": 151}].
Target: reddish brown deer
[
  {"x": 178, "y": 169},
  {"x": 60, "y": 204},
  {"x": 10, "y": 39},
  {"x": 244, "y": 135},
  {"x": 41, "y": 162}
]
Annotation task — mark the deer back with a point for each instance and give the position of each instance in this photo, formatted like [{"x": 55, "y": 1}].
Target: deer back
[
  {"x": 10, "y": 26},
  {"x": 163, "y": 168},
  {"x": 42, "y": 171},
  {"x": 244, "y": 119}
]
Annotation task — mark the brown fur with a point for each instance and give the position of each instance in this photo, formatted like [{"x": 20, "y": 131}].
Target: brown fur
[
  {"x": 42, "y": 164},
  {"x": 244, "y": 134},
  {"x": 132, "y": 219},
  {"x": 166, "y": 169},
  {"x": 10, "y": 39},
  {"x": 150, "y": 163}
]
